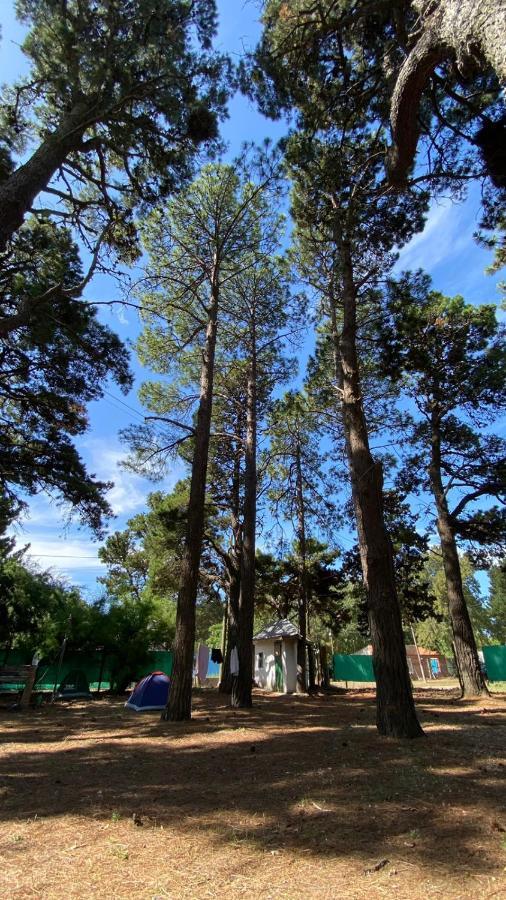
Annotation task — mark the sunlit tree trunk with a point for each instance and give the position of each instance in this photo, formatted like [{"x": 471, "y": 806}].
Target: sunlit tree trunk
[
  {"x": 302, "y": 592},
  {"x": 242, "y": 684},
  {"x": 395, "y": 709},
  {"x": 19, "y": 190},
  {"x": 466, "y": 652},
  {"x": 468, "y": 32},
  {"x": 179, "y": 704},
  {"x": 233, "y": 565}
]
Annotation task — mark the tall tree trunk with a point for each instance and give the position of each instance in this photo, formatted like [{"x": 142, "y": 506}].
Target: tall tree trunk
[
  {"x": 233, "y": 572},
  {"x": 223, "y": 647},
  {"x": 466, "y": 653},
  {"x": 469, "y": 32},
  {"x": 225, "y": 685},
  {"x": 242, "y": 685},
  {"x": 395, "y": 709},
  {"x": 302, "y": 592},
  {"x": 20, "y": 189},
  {"x": 311, "y": 667},
  {"x": 179, "y": 703},
  {"x": 324, "y": 665}
]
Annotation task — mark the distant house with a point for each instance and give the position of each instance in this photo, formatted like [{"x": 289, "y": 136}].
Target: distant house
[
  {"x": 420, "y": 662},
  {"x": 434, "y": 664},
  {"x": 275, "y": 657}
]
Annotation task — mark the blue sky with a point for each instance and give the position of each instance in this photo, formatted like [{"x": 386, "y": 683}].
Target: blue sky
[{"x": 445, "y": 249}]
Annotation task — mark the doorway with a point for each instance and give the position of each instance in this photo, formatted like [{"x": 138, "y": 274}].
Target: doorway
[{"x": 278, "y": 667}]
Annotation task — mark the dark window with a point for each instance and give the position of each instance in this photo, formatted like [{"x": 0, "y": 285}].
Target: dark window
[{"x": 260, "y": 660}]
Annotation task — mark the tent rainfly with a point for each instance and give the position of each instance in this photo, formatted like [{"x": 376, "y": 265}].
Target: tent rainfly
[
  {"x": 74, "y": 685},
  {"x": 151, "y": 692}
]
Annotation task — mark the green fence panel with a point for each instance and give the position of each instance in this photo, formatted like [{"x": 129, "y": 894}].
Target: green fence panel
[
  {"x": 352, "y": 667},
  {"x": 495, "y": 662},
  {"x": 93, "y": 664},
  {"x": 15, "y": 658},
  {"x": 96, "y": 666},
  {"x": 159, "y": 661}
]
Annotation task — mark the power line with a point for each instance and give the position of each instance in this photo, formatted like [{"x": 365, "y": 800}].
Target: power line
[
  {"x": 123, "y": 403},
  {"x": 69, "y": 556}
]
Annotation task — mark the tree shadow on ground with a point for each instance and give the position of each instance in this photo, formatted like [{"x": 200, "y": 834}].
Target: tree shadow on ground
[{"x": 306, "y": 774}]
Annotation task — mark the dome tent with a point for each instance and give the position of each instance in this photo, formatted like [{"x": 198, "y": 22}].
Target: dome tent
[
  {"x": 74, "y": 685},
  {"x": 152, "y": 692}
]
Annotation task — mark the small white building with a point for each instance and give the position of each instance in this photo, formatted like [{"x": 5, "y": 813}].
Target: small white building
[{"x": 275, "y": 657}]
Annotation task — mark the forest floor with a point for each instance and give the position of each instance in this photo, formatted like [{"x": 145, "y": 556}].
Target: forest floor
[
  {"x": 438, "y": 684},
  {"x": 296, "y": 798}
]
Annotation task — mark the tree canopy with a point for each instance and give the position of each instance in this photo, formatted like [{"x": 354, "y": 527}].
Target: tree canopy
[
  {"x": 54, "y": 363},
  {"x": 111, "y": 162},
  {"x": 118, "y": 99}
]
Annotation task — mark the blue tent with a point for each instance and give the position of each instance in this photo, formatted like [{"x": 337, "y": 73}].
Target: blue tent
[{"x": 152, "y": 692}]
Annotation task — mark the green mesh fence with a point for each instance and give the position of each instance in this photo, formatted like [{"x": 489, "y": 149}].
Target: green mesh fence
[
  {"x": 352, "y": 667},
  {"x": 97, "y": 667},
  {"x": 495, "y": 662}
]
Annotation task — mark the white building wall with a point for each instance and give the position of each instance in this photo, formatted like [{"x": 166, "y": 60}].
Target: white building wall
[
  {"x": 265, "y": 677},
  {"x": 290, "y": 666}
]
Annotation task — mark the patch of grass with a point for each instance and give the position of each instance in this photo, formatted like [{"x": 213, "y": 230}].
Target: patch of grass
[{"x": 119, "y": 851}]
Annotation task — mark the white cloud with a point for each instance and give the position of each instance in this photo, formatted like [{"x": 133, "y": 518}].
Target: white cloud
[
  {"x": 41, "y": 512},
  {"x": 447, "y": 233},
  {"x": 56, "y": 543},
  {"x": 62, "y": 555},
  {"x": 130, "y": 491}
]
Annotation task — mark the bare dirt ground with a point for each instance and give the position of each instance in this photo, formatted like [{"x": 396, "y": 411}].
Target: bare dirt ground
[{"x": 297, "y": 798}]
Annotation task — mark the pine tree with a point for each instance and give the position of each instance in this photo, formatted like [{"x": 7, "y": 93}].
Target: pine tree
[
  {"x": 119, "y": 97},
  {"x": 336, "y": 163},
  {"x": 453, "y": 365},
  {"x": 215, "y": 230},
  {"x": 50, "y": 367},
  {"x": 299, "y": 494},
  {"x": 251, "y": 355},
  {"x": 436, "y": 68}
]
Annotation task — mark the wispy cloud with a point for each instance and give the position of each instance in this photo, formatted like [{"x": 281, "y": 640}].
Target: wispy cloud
[
  {"x": 57, "y": 544},
  {"x": 447, "y": 233},
  {"x": 130, "y": 490},
  {"x": 66, "y": 556}
]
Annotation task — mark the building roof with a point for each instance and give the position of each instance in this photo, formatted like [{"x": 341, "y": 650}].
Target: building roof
[
  {"x": 281, "y": 629},
  {"x": 410, "y": 648}
]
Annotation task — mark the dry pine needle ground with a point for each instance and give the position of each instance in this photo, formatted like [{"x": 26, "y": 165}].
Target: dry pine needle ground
[{"x": 298, "y": 797}]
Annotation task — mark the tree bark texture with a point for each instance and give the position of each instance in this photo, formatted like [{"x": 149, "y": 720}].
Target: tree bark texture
[
  {"x": 242, "y": 684},
  {"x": 395, "y": 709},
  {"x": 324, "y": 664},
  {"x": 225, "y": 685},
  {"x": 223, "y": 646},
  {"x": 233, "y": 565},
  {"x": 471, "y": 32},
  {"x": 471, "y": 678},
  {"x": 302, "y": 594},
  {"x": 179, "y": 703},
  {"x": 20, "y": 189},
  {"x": 311, "y": 667}
]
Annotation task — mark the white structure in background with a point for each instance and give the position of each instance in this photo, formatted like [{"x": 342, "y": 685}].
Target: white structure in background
[{"x": 275, "y": 651}]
